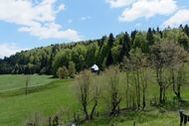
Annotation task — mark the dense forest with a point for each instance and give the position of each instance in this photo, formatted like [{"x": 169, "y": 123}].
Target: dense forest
[{"x": 75, "y": 57}]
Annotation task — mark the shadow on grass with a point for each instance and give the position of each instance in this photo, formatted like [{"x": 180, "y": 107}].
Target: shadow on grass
[
  {"x": 130, "y": 116},
  {"x": 174, "y": 105}
]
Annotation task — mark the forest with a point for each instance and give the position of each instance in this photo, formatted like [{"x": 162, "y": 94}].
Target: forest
[{"x": 77, "y": 56}]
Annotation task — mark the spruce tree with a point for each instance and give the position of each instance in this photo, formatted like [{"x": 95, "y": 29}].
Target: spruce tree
[
  {"x": 149, "y": 37},
  {"x": 109, "y": 60},
  {"x": 111, "y": 40},
  {"x": 125, "y": 47}
]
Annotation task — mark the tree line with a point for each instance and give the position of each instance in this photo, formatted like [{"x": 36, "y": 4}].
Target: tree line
[{"x": 64, "y": 60}]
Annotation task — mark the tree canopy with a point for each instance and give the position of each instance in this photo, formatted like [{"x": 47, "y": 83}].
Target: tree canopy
[{"x": 109, "y": 50}]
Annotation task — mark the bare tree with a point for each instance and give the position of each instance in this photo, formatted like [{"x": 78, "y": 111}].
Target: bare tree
[
  {"x": 95, "y": 98},
  {"x": 136, "y": 65},
  {"x": 181, "y": 80},
  {"x": 88, "y": 94},
  {"x": 113, "y": 90},
  {"x": 159, "y": 60},
  {"x": 178, "y": 57},
  {"x": 166, "y": 55},
  {"x": 145, "y": 80}
]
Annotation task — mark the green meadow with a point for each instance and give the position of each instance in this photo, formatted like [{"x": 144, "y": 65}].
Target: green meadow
[{"x": 51, "y": 96}]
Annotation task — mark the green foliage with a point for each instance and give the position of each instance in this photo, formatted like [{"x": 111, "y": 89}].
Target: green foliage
[
  {"x": 183, "y": 40},
  {"x": 150, "y": 37},
  {"x": 71, "y": 69},
  {"x": 91, "y": 54},
  {"x": 140, "y": 42},
  {"x": 104, "y": 52},
  {"x": 62, "y": 72}
]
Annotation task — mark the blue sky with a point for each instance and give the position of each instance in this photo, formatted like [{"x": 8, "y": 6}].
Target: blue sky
[{"x": 25, "y": 24}]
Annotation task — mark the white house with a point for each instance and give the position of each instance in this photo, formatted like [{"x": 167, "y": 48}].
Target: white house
[{"x": 95, "y": 69}]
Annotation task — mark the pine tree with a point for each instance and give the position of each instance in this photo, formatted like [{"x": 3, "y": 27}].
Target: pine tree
[
  {"x": 149, "y": 37},
  {"x": 109, "y": 60},
  {"x": 186, "y": 30},
  {"x": 125, "y": 47},
  {"x": 133, "y": 34},
  {"x": 111, "y": 40}
]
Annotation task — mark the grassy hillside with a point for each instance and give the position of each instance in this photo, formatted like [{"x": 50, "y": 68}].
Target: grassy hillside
[
  {"x": 16, "y": 109},
  {"x": 11, "y": 82},
  {"x": 59, "y": 96}
]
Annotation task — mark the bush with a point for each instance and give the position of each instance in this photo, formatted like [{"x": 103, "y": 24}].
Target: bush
[
  {"x": 62, "y": 72},
  {"x": 71, "y": 69}
]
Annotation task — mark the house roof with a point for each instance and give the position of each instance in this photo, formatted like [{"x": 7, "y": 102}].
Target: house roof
[{"x": 95, "y": 67}]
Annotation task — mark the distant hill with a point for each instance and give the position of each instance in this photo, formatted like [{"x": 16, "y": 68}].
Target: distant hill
[{"x": 108, "y": 50}]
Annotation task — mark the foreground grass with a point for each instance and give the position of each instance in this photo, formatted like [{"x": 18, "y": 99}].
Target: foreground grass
[
  {"x": 16, "y": 109},
  {"x": 150, "y": 118},
  {"x": 57, "y": 95}
]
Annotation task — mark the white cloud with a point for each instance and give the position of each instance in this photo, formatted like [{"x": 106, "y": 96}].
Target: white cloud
[
  {"x": 37, "y": 18},
  {"x": 147, "y": 9},
  {"x": 9, "y": 49},
  {"x": 51, "y": 30},
  {"x": 181, "y": 17},
  {"x": 119, "y": 3}
]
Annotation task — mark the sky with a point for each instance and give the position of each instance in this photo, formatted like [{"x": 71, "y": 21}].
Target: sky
[{"x": 27, "y": 24}]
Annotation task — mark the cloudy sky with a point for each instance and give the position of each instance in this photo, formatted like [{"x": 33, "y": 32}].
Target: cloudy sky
[{"x": 25, "y": 24}]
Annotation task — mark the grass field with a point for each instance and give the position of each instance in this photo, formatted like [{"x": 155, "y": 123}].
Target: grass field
[
  {"x": 14, "y": 110},
  {"x": 12, "y": 82},
  {"x": 56, "y": 95}
]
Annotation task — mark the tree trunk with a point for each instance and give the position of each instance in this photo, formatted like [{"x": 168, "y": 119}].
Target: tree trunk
[
  {"x": 161, "y": 95},
  {"x": 144, "y": 86},
  {"x": 175, "y": 86},
  {"x": 138, "y": 87},
  {"x": 85, "y": 111},
  {"x": 164, "y": 94},
  {"x": 115, "y": 107},
  {"x": 144, "y": 99},
  {"x": 127, "y": 90},
  {"x": 178, "y": 93},
  {"x": 93, "y": 109}
]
